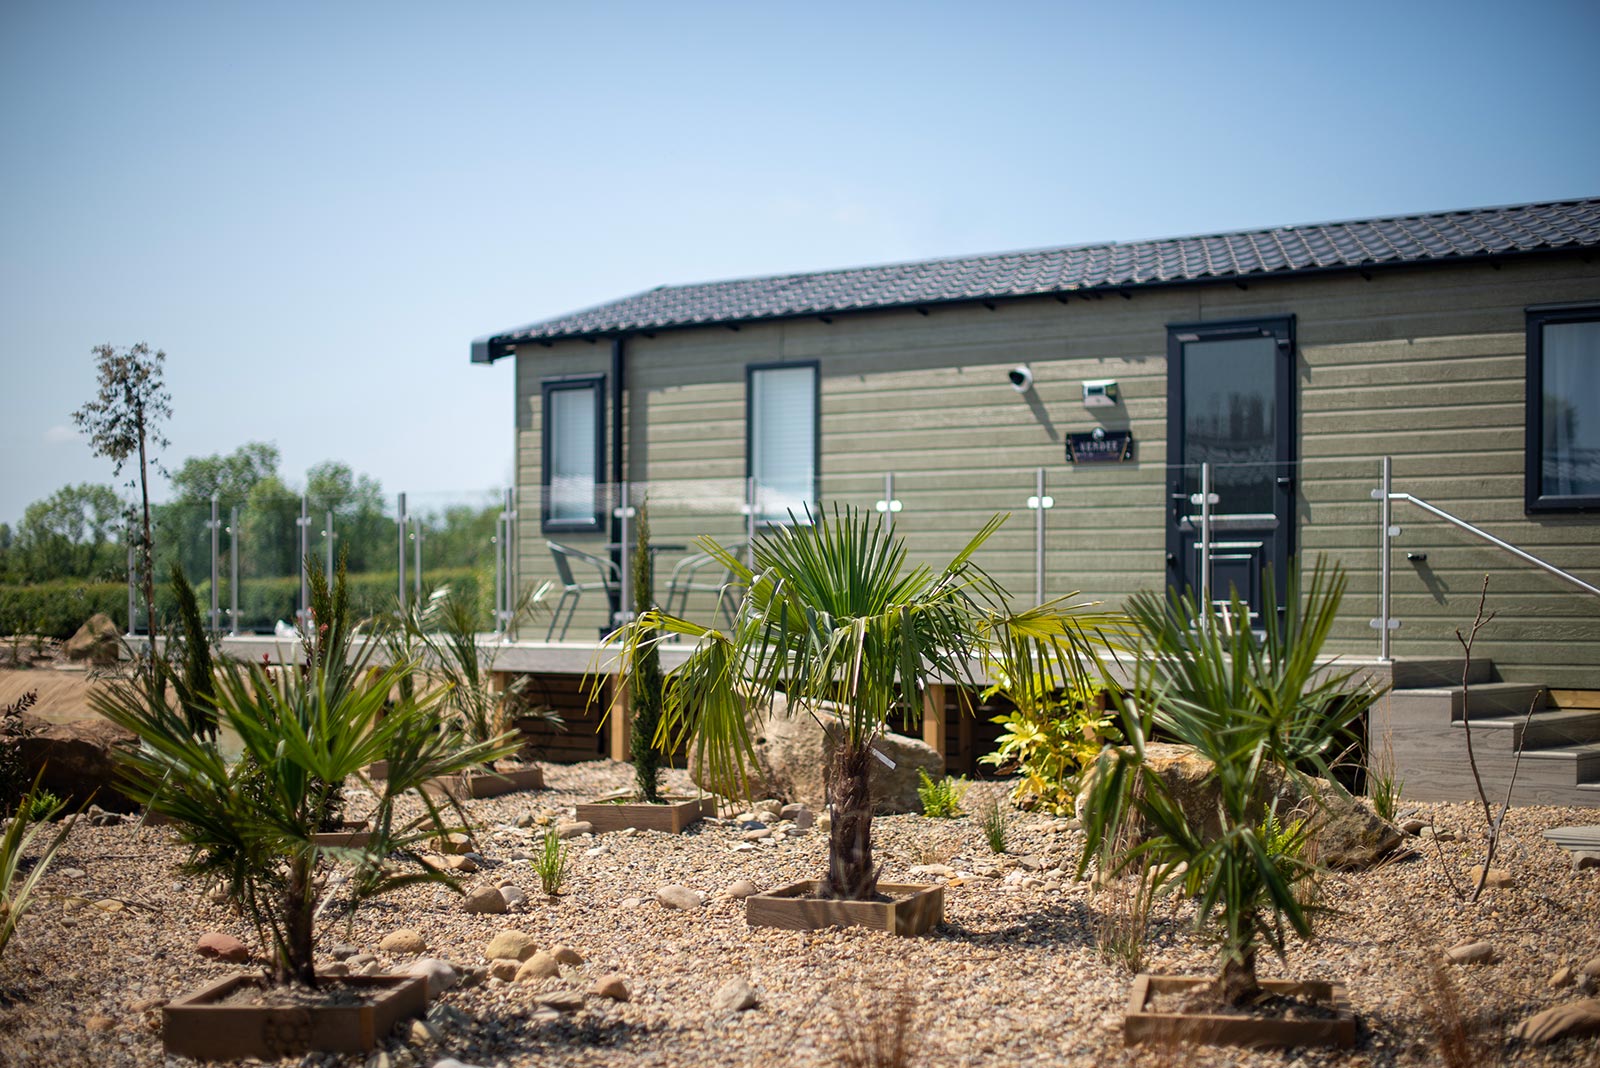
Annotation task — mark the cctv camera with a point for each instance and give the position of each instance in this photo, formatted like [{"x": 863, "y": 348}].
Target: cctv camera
[{"x": 1021, "y": 379}]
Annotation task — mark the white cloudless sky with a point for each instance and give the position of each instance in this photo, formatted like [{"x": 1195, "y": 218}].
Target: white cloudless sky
[{"x": 313, "y": 208}]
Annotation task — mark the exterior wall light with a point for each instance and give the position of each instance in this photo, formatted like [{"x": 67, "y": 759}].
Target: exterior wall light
[{"x": 1101, "y": 393}]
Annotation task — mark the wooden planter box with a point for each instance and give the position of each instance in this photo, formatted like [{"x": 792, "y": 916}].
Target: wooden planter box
[
  {"x": 488, "y": 783},
  {"x": 355, "y": 835},
  {"x": 195, "y": 1025},
  {"x": 913, "y": 908},
  {"x": 672, "y": 815},
  {"x": 1219, "y": 1029}
]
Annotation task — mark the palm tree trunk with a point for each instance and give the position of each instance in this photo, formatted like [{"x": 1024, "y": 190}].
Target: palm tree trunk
[
  {"x": 1237, "y": 983},
  {"x": 851, "y": 876},
  {"x": 297, "y": 965}
]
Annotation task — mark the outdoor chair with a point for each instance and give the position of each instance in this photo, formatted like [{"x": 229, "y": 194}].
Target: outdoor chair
[
  {"x": 685, "y": 580},
  {"x": 610, "y": 581}
]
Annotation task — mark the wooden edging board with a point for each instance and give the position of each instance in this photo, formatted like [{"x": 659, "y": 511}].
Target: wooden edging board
[
  {"x": 1219, "y": 1029},
  {"x": 912, "y": 908},
  {"x": 195, "y": 1025},
  {"x": 488, "y": 783},
  {"x": 672, "y": 815}
]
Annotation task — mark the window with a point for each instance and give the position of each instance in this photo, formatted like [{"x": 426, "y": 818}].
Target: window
[
  {"x": 1563, "y": 432},
  {"x": 781, "y": 420},
  {"x": 573, "y": 449}
]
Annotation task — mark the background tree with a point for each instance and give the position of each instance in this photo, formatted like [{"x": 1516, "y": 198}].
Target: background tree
[
  {"x": 230, "y": 478},
  {"x": 69, "y": 534},
  {"x": 125, "y": 418},
  {"x": 365, "y": 535}
]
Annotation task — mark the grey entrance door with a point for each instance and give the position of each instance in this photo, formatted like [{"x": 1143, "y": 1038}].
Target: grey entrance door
[{"x": 1230, "y": 403}]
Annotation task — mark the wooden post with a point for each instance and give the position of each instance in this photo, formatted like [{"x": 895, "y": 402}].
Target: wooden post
[
  {"x": 933, "y": 731},
  {"x": 619, "y": 718}
]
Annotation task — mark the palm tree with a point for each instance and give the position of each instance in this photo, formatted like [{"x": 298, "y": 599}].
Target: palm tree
[
  {"x": 251, "y": 823},
  {"x": 838, "y": 619},
  {"x": 1264, "y": 711}
]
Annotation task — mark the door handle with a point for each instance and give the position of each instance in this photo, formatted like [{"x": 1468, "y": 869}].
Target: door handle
[{"x": 1286, "y": 480}]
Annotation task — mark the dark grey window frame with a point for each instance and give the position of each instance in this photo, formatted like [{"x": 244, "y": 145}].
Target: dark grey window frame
[
  {"x": 750, "y": 371},
  {"x": 596, "y": 523},
  {"x": 1535, "y": 500}
]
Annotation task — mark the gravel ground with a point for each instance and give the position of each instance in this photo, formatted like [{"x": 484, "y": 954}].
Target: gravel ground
[{"x": 1013, "y": 976}]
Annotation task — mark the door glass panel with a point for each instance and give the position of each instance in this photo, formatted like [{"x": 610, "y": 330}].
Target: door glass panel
[{"x": 1229, "y": 419}]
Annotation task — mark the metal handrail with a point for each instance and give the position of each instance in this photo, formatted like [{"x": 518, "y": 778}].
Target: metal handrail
[
  {"x": 1499, "y": 542},
  {"x": 1385, "y": 624}
]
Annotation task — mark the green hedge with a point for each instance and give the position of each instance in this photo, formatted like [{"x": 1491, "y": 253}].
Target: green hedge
[{"x": 58, "y": 609}]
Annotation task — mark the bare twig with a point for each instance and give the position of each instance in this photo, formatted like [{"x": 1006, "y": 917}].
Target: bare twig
[
  {"x": 1479, "y": 621},
  {"x": 1444, "y": 865},
  {"x": 1505, "y": 806}
]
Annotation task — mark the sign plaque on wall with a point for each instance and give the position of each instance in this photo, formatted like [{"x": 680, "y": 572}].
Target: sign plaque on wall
[{"x": 1100, "y": 446}]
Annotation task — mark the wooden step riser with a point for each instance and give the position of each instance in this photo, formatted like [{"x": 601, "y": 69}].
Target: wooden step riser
[
  {"x": 1587, "y": 700},
  {"x": 1496, "y": 701},
  {"x": 1543, "y": 730},
  {"x": 1417, "y": 674}
]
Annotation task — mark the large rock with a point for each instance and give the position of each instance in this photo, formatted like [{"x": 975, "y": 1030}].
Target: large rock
[
  {"x": 792, "y": 752},
  {"x": 78, "y": 759},
  {"x": 1347, "y": 835},
  {"x": 98, "y": 641}
]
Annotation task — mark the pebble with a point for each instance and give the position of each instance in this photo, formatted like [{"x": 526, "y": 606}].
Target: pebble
[
  {"x": 1498, "y": 878},
  {"x": 514, "y": 897},
  {"x": 1563, "y": 1021},
  {"x": 451, "y": 1062},
  {"x": 567, "y": 955},
  {"x": 540, "y": 965},
  {"x": 510, "y": 945},
  {"x": 679, "y": 897},
  {"x": 360, "y": 960},
  {"x": 440, "y": 975},
  {"x": 736, "y": 995},
  {"x": 100, "y": 1023},
  {"x": 561, "y": 1000},
  {"x": 422, "y": 1033},
  {"x": 504, "y": 970},
  {"x": 487, "y": 901},
  {"x": 1585, "y": 859},
  {"x": 454, "y": 842},
  {"x": 1412, "y": 826},
  {"x": 72, "y": 873},
  {"x": 404, "y": 940},
  {"x": 110, "y": 904},
  {"x": 611, "y": 986},
  {"x": 574, "y": 829},
  {"x": 218, "y": 946},
  {"x": 1562, "y": 977},
  {"x": 1590, "y": 969},
  {"x": 738, "y": 890},
  {"x": 1470, "y": 952},
  {"x": 343, "y": 951},
  {"x": 757, "y": 834}
]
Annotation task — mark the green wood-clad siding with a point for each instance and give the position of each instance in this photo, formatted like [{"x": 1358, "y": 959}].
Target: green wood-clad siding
[{"x": 1424, "y": 364}]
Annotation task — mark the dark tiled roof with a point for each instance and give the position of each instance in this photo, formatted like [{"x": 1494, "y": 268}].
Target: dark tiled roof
[{"x": 1478, "y": 233}]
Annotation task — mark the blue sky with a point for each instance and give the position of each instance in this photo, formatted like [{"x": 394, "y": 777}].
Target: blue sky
[{"x": 313, "y": 208}]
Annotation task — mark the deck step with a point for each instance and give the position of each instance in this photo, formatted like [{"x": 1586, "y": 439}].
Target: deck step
[
  {"x": 1489, "y": 700},
  {"x": 1585, "y": 760},
  {"x": 1589, "y": 699},
  {"x": 1544, "y": 730}
]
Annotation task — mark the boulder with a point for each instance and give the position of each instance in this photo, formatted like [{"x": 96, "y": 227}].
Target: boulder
[
  {"x": 78, "y": 759},
  {"x": 98, "y": 641},
  {"x": 792, "y": 751},
  {"x": 1347, "y": 835}
]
